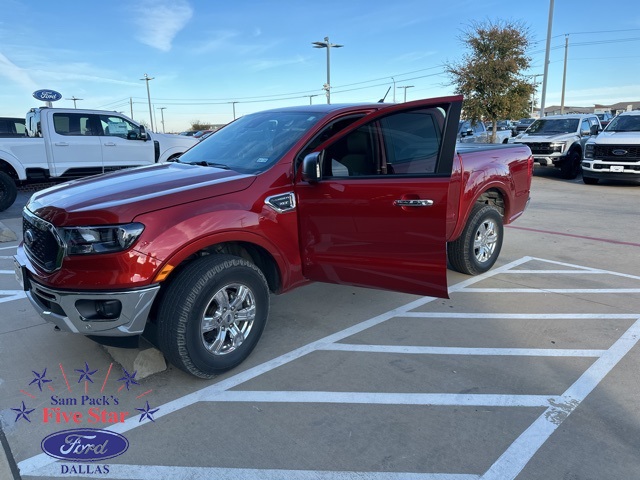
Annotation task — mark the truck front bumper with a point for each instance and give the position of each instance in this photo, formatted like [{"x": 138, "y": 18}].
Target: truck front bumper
[{"x": 88, "y": 312}]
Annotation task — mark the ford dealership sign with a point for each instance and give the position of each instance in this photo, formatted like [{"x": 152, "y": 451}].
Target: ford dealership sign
[{"x": 47, "y": 95}]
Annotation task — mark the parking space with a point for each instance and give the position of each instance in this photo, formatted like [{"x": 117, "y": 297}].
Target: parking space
[
  {"x": 402, "y": 392},
  {"x": 527, "y": 372}
]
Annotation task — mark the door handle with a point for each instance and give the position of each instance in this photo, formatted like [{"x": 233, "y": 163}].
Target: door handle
[
  {"x": 110, "y": 144},
  {"x": 61, "y": 144},
  {"x": 413, "y": 203}
]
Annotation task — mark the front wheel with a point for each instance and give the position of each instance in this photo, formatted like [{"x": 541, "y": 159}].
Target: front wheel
[
  {"x": 213, "y": 314},
  {"x": 590, "y": 180},
  {"x": 8, "y": 191},
  {"x": 478, "y": 248},
  {"x": 570, "y": 167}
]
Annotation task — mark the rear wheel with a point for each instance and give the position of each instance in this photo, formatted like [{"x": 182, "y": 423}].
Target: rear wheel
[
  {"x": 8, "y": 191},
  {"x": 213, "y": 314},
  {"x": 478, "y": 248}
]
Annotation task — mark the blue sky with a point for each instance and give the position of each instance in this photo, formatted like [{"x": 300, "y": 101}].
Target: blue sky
[{"x": 203, "y": 55}]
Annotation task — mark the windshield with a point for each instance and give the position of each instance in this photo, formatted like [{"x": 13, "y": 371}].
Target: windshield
[
  {"x": 552, "y": 126},
  {"x": 624, "y": 123},
  {"x": 253, "y": 143}
]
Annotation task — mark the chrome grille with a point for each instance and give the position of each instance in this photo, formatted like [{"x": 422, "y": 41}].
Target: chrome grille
[{"x": 41, "y": 242}]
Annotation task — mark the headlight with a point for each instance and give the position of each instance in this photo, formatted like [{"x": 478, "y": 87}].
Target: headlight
[
  {"x": 557, "y": 147},
  {"x": 588, "y": 150},
  {"x": 91, "y": 240}
]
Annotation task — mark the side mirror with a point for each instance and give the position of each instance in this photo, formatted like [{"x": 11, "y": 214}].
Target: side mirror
[
  {"x": 312, "y": 167},
  {"x": 594, "y": 130},
  {"x": 586, "y": 133},
  {"x": 143, "y": 134}
]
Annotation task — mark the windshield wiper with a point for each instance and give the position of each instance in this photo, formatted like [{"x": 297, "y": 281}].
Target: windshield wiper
[{"x": 204, "y": 163}]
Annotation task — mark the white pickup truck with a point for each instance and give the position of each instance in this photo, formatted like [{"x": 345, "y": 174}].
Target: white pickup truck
[{"x": 63, "y": 144}]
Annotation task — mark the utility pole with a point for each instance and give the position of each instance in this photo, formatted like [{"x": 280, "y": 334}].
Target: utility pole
[
  {"x": 147, "y": 78},
  {"x": 564, "y": 74},
  {"x": 394, "y": 89},
  {"x": 162, "y": 109},
  {"x": 546, "y": 60},
  {"x": 131, "y": 106},
  {"x": 234, "y": 109},
  {"x": 310, "y": 97},
  {"x": 75, "y": 100}
]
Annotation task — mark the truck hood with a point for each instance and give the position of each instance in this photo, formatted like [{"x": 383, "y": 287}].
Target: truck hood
[
  {"x": 558, "y": 137},
  {"x": 617, "y": 138},
  {"x": 119, "y": 197}
]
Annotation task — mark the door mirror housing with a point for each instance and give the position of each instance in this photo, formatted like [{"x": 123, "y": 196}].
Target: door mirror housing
[
  {"x": 594, "y": 130},
  {"x": 312, "y": 167}
]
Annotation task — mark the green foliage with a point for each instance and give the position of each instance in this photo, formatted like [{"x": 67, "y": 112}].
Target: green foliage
[
  {"x": 489, "y": 76},
  {"x": 197, "y": 125}
]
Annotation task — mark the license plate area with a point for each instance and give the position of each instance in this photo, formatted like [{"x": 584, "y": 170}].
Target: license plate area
[
  {"x": 21, "y": 274},
  {"x": 616, "y": 168}
]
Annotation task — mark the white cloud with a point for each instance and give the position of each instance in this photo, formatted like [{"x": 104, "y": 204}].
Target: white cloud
[
  {"x": 16, "y": 74},
  {"x": 160, "y": 22}
]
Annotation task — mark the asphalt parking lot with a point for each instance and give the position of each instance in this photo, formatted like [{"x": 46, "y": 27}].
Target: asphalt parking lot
[{"x": 527, "y": 372}]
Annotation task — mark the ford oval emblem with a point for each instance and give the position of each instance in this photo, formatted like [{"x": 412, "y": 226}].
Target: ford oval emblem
[
  {"x": 29, "y": 238},
  {"x": 619, "y": 152},
  {"x": 84, "y": 445},
  {"x": 47, "y": 95}
]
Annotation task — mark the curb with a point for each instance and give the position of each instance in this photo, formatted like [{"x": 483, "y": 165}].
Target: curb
[
  {"x": 145, "y": 360},
  {"x": 6, "y": 234}
]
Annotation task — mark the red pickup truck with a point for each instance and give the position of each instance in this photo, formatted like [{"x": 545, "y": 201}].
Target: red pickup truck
[{"x": 370, "y": 195}]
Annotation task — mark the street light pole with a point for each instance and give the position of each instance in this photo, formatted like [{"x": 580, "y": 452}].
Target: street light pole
[
  {"x": 146, "y": 79},
  {"x": 405, "y": 91},
  {"x": 162, "y": 109},
  {"x": 328, "y": 45},
  {"x": 310, "y": 97}
]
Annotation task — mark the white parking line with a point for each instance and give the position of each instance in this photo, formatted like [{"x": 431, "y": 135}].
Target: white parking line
[{"x": 508, "y": 465}]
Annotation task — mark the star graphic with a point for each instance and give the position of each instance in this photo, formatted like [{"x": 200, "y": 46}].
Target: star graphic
[
  {"x": 147, "y": 412},
  {"x": 23, "y": 412},
  {"x": 85, "y": 374},
  {"x": 40, "y": 378},
  {"x": 129, "y": 379}
]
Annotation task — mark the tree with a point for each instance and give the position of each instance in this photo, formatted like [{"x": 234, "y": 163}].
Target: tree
[
  {"x": 197, "y": 125},
  {"x": 489, "y": 76}
]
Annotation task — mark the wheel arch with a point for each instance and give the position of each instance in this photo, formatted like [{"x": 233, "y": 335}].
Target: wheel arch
[
  {"x": 493, "y": 195},
  {"x": 8, "y": 168}
]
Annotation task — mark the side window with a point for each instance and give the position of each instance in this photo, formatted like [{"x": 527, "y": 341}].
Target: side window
[
  {"x": 412, "y": 141},
  {"x": 354, "y": 155},
  {"x": 585, "y": 125},
  {"x": 325, "y": 134},
  {"x": 114, "y": 126},
  {"x": 406, "y": 143},
  {"x": 478, "y": 128},
  {"x": 73, "y": 124}
]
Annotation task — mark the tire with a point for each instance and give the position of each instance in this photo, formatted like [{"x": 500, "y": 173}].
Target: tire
[
  {"x": 478, "y": 248},
  {"x": 570, "y": 167},
  {"x": 590, "y": 180},
  {"x": 196, "y": 331},
  {"x": 8, "y": 191}
]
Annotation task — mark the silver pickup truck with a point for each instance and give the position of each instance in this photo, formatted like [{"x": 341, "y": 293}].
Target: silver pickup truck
[{"x": 558, "y": 140}]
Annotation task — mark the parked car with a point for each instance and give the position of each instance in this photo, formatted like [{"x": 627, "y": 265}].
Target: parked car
[
  {"x": 201, "y": 133},
  {"x": 615, "y": 153},
  {"x": 472, "y": 132},
  {"x": 522, "y": 124},
  {"x": 558, "y": 140},
  {"x": 372, "y": 195},
  {"x": 188, "y": 133},
  {"x": 604, "y": 118}
]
